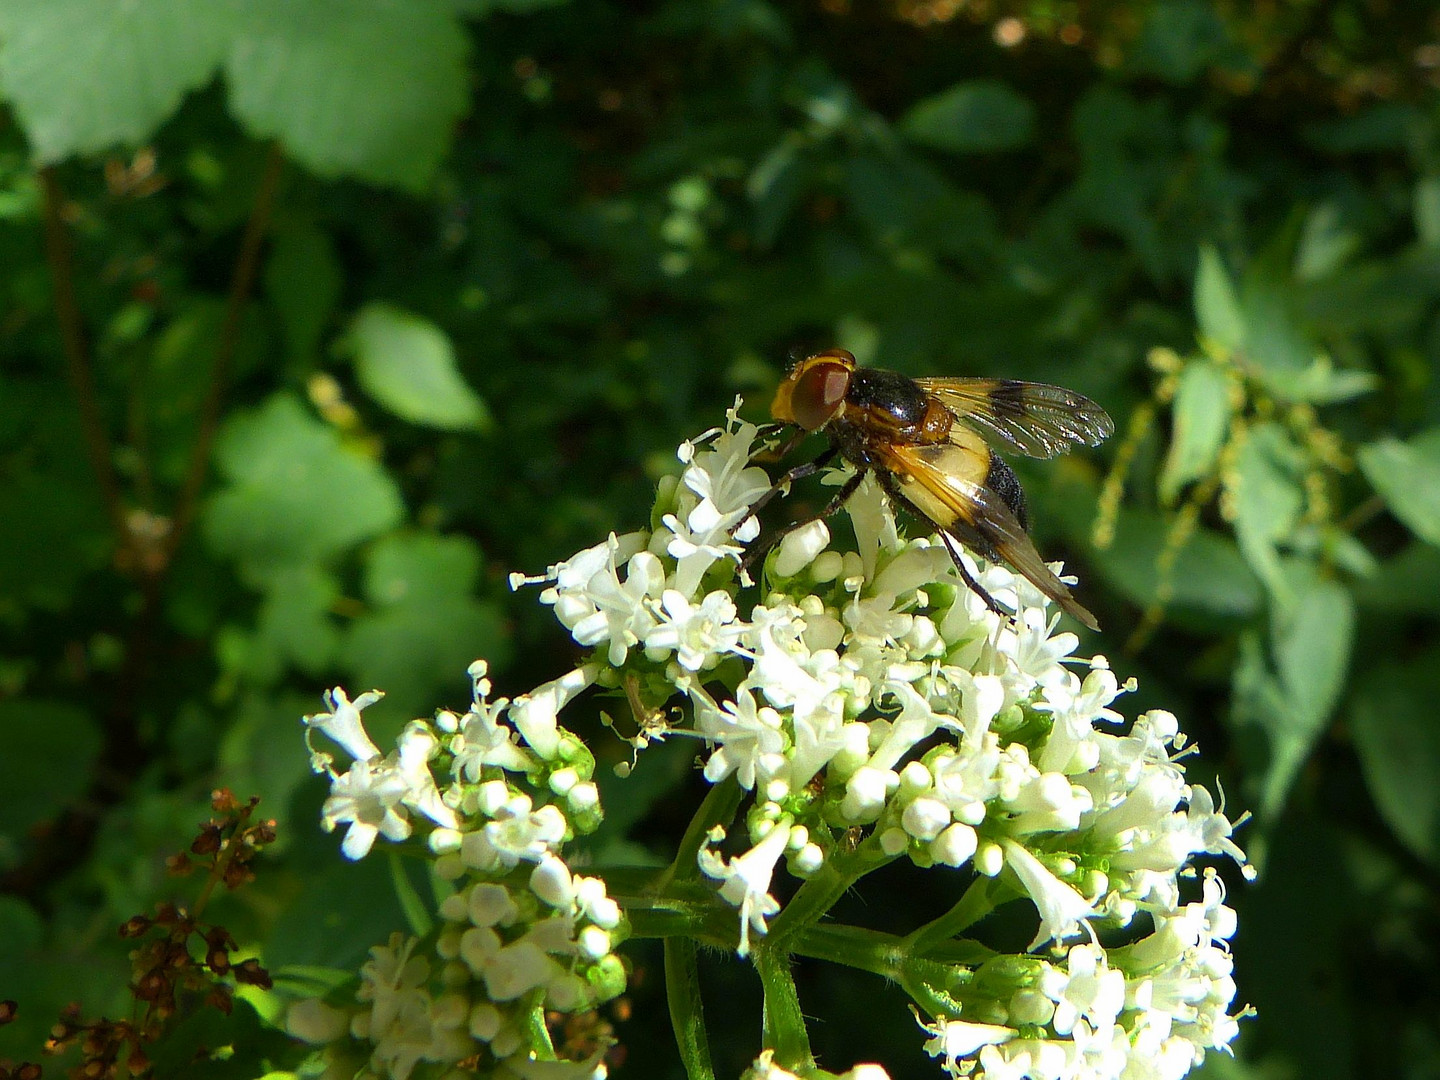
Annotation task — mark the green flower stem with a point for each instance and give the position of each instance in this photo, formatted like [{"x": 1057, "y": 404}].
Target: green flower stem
[
  {"x": 819, "y": 894},
  {"x": 687, "y": 1010},
  {"x": 681, "y": 909},
  {"x": 532, "y": 1027},
  {"x": 853, "y": 946},
  {"x": 718, "y": 808},
  {"x": 982, "y": 897},
  {"x": 926, "y": 978},
  {"x": 784, "y": 1022}
]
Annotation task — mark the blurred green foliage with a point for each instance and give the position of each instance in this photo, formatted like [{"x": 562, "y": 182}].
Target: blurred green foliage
[{"x": 376, "y": 302}]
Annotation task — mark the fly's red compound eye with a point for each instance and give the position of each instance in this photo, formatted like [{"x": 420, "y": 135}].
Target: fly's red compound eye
[{"x": 814, "y": 392}]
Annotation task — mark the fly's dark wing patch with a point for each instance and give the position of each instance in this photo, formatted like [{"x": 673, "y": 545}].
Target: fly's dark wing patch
[
  {"x": 1035, "y": 419},
  {"x": 935, "y": 482}
]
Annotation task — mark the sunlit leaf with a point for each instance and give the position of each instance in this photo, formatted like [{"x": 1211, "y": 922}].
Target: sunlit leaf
[
  {"x": 295, "y": 625},
  {"x": 363, "y": 88},
  {"x": 295, "y": 494},
  {"x": 417, "y": 568},
  {"x": 426, "y": 628},
  {"x": 418, "y": 652},
  {"x": 1202, "y": 417},
  {"x": 1217, "y": 307},
  {"x": 1326, "y": 241},
  {"x": 1267, "y": 499},
  {"x": 408, "y": 365},
  {"x": 1407, "y": 475},
  {"x": 1310, "y": 642},
  {"x": 87, "y": 75}
]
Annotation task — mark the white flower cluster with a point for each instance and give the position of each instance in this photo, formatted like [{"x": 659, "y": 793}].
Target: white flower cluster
[
  {"x": 874, "y": 691},
  {"x": 520, "y": 933}
]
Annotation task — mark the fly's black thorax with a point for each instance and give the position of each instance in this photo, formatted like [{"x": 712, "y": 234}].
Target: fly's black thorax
[
  {"x": 881, "y": 407},
  {"x": 887, "y": 396}
]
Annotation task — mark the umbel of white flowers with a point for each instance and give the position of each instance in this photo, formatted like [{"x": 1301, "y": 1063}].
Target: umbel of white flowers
[{"x": 866, "y": 690}]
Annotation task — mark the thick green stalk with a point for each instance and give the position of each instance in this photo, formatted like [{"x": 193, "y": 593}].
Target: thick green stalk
[
  {"x": 687, "y": 1010},
  {"x": 981, "y": 898},
  {"x": 820, "y": 892},
  {"x": 784, "y": 1023}
]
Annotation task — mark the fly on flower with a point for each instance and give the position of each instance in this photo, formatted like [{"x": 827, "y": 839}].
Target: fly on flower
[{"x": 925, "y": 442}]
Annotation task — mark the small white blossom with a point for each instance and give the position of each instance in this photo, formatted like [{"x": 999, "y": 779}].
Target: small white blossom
[
  {"x": 951, "y": 1040},
  {"x": 343, "y": 724},
  {"x": 748, "y": 735},
  {"x": 535, "y": 714},
  {"x": 1063, "y": 911},
  {"x": 697, "y": 633},
  {"x": 745, "y": 880},
  {"x": 368, "y": 796}
]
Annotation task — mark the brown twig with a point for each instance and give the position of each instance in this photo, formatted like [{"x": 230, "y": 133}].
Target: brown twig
[
  {"x": 77, "y": 361},
  {"x": 247, "y": 266}
]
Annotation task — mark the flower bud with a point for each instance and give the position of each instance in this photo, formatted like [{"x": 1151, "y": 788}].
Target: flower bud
[
  {"x": 799, "y": 548},
  {"x": 989, "y": 859},
  {"x": 925, "y": 817},
  {"x": 955, "y": 845},
  {"x": 315, "y": 1022}
]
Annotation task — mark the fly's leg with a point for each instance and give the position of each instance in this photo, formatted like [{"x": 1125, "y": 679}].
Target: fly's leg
[
  {"x": 758, "y": 549},
  {"x": 784, "y": 449},
  {"x": 975, "y": 586},
  {"x": 800, "y": 472}
]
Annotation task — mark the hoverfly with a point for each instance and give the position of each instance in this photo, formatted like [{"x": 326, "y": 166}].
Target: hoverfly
[{"x": 925, "y": 442}]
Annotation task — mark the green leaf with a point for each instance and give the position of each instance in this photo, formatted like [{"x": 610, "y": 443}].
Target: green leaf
[
  {"x": 1399, "y": 746},
  {"x": 973, "y": 117},
  {"x": 363, "y": 88},
  {"x": 1381, "y": 128},
  {"x": 1322, "y": 383},
  {"x": 420, "y": 568},
  {"x": 774, "y": 186},
  {"x": 407, "y": 364},
  {"x": 426, "y": 629},
  {"x": 87, "y": 75},
  {"x": 52, "y": 532},
  {"x": 1407, "y": 476},
  {"x": 262, "y": 751},
  {"x": 295, "y": 626},
  {"x": 418, "y": 652},
  {"x": 1276, "y": 347},
  {"x": 479, "y": 8},
  {"x": 295, "y": 494},
  {"x": 417, "y": 916},
  {"x": 1310, "y": 642},
  {"x": 1179, "y": 40},
  {"x": 303, "y": 279},
  {"x": 1209, "y": 574},
  {"x": 208, "y": 1044},
  {"x": 36, "y": 785},
  {"x": 1217, "y": 307},
  {"x": 1202, "y": 419},
  {"x": 1268, "y": 500},
  {"x": 353, "y": 903},
  {"x": 1327, "y": 240}
]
